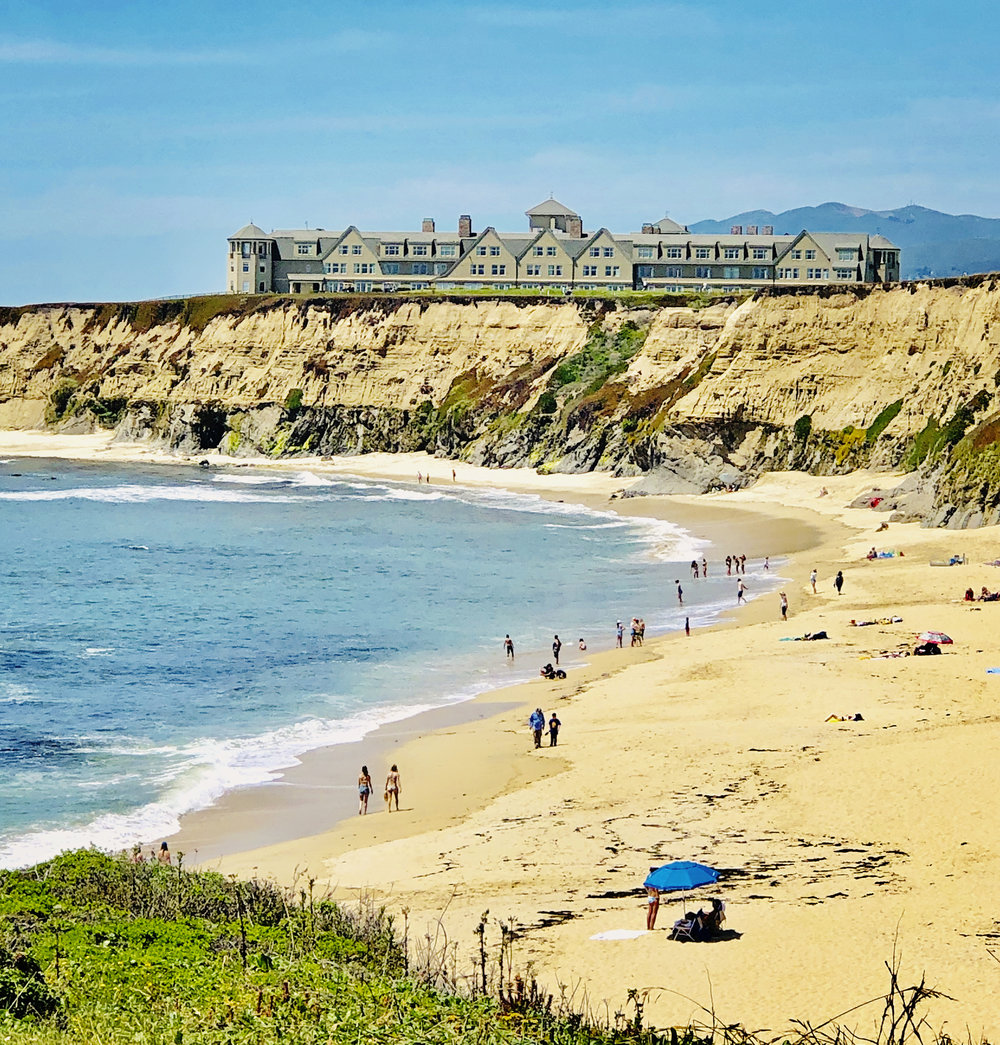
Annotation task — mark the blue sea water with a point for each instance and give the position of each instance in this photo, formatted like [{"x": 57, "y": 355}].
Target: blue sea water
[{"x": 169, "y": 633}]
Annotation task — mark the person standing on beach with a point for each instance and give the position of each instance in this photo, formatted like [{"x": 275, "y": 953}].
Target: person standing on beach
[
  {"x": 729, "y": 566},
  {"x": 536, "y": 723},
  {"x": 508, "y": 645},
  {"x": 767, "y": 563},
  {"x": 741, "y": 591},
  {"x": 554, "y": 725},
  {"x": 392, "y": 788},
  {"x": 743, "y": 564},
  {"x": 694, "y": 568},
  {"x": 680, "y": 593},
  {"x": 364, "y": 790},
  {"x": 556, "y": 647},
  {"x": 784, "y": 605},
  {"x": 641, "y": 631},
  {"x": 619, "y": 633},
  {"x": 812, "y": 579},
  {"x": 838, "y": 581},
  {"x": 704, "y": 567},
  {"x": 687, "y": 626},
  {"x": 163, "y": 855},
  {"x": 652, "y": 904}
]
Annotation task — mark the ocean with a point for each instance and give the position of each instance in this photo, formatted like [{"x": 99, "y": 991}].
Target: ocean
[{"x": 169, "y": 633}]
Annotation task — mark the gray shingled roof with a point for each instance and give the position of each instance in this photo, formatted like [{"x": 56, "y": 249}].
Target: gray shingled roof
[
  {"x": 550, "y": 208},
  {"x": 250, "y": 231}
]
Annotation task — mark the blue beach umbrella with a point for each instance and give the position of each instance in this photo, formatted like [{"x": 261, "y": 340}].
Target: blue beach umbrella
[{"x": 680, "y": 874}]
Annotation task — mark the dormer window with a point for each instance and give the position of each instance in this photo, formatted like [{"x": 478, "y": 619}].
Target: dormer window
[{"x": 303, "y": 248}]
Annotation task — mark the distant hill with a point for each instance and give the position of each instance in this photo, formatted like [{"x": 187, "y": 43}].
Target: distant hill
[{"x": 933, "y": 243}]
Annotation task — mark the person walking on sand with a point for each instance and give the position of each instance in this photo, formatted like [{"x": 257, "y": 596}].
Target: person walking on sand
[
  {"x": 164, "y": 854},
  {"x": 508, "y": 645},
  {"x": 364, "y": 790},
  {"x": 556, "y": 647},
  {"x": 619, "y": 633},
  {"x": 838, "y": 581},
  {"x": 784, "y": 605},
  {"x": 536, "y": 723},
  {"x": 392, "y": 788},
  {"x": 741, "y": 591},
  {"x": 652, "y": 904},
  {"x": 554, "y": 725},
  {"x": 812, "y": 580}
]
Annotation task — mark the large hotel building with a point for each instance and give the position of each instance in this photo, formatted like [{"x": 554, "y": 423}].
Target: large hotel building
[{"x": 554, "y": 254}]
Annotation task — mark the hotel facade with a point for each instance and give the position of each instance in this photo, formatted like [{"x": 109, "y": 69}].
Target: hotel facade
[{"x": 554, "y": 254}]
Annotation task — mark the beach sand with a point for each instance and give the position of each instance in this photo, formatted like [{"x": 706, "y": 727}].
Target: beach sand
[{"x": 841, "y": 844}]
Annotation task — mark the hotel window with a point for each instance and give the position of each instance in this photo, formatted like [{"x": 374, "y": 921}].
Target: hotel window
[
  {"x": 810, "y": 255},
  {"x": 262, "y": 268},
  {"x": 302, "y": 248},
  {"x": 355, "y": 248},
  {"x": 246, "y": 287},
  {"x": 703, "y": 272},
  {"x": 390, "y": 268},
  {"x": 441, "y": 266},
  {"x": 494, "y": 252},
  {"x": 533, "y": 270},
  {"x": 645, "y": 252},
  {"x": 550, "y": 252},
  {"x": 364, "y": 267},
  {"x": 675, "y": 252},
  {"x": 761, "y": 253},
  {"x": 796, "y": 255},
  {"x": 731, "y": 272},
  {"x": 420, "y": 268},
  {"x": 246, "y": 266},
  {"x": 447, "y": 250},
  {"x": 673, "y": 272},
  {"x": 498, "y": 270},
  {"x": 817, "y": 273},
  {"x": 846, "y": 254},
  {"x": 609, "y": 252},
  {"x": 645, "y": 271},
  {"x": 420, "y": 249},
  {"x": 537, "y": 251},
  {"x": 595, "y": 252},
  {"x": 760, "y": 273},
  {"x": 611, "y": 270},
  {"x": 844, "y": 273},
  {"x": 345, "y": 249},
  {"x": 590, "y": 270},
  {"x": 555, "y": 270},
  {"x": 392, "y": 249},
  {"x": 477, "y": 270},
  {"x": 732, "y": 253},
  {"x": 788, "y": 273},
  {"x": 245, "y": 251},
  {"x": 481, "y": 251},
  {"x": 702, "y": 252}
]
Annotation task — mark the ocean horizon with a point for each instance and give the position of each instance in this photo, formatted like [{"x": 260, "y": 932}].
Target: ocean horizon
[{"x": 168, "y": 633}]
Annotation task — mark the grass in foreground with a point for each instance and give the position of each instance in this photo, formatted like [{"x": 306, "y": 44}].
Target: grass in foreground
[{"x": 98, "y": 949}]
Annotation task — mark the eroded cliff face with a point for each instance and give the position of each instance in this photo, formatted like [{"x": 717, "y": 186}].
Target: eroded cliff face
[{"x": 695, "y": 397}]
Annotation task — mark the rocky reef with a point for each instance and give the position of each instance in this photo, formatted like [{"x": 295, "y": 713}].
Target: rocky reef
[{"x": 691, "y": 397}]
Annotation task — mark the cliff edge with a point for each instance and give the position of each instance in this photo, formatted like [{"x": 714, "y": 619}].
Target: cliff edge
[{"x": 900, "y": 377}]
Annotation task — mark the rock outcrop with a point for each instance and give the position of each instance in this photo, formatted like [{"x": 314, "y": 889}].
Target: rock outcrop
[{"x": 696, "y": 397}]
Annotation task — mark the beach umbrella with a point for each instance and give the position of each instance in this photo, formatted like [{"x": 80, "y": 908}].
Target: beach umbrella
[
  {"x": 680, "y": 874},
  {"x": 937, "y": 637}
]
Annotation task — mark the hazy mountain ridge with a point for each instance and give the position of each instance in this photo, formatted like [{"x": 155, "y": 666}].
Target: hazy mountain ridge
[{"x": 933, "y": 243}]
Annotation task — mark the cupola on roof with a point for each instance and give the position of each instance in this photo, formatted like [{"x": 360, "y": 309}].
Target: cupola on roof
[
  {"x": 250, "y": 231},
  {"x": 551, "y": 208}
]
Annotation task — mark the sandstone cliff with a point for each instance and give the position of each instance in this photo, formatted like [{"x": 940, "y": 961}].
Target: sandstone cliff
[{"x": 694, "y": 396}]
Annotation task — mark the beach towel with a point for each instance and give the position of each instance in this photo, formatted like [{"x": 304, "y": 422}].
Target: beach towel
[
  {"x": 619, "y": 934},
  {"x": 993, "y": 671}
]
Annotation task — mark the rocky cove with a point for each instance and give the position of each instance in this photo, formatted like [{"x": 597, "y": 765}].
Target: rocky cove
[{"x": 691, "y": 396}]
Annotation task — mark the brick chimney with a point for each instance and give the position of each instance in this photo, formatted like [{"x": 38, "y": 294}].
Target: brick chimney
[
  {"x": 751, "y": 230},
  {"x": 427, "y": 225},
  {"x": 465, "y": 226},
  {"x": 574, "y": 226},
  {"x": 767, "y": 230},
  {"x": 735, "y": 230}
]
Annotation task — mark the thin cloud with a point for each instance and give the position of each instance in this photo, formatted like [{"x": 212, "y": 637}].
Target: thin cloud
[{"x": 56, "y": 52}]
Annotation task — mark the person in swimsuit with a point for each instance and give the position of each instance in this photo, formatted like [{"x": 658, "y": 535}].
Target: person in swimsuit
[
  {"x": 364, "y": 790},
  {"x": 784, "y": 605},
  {"x": 556, "y": 647},
  {"x": 164, "y": 854},
  {"x": 741, "y": 589},
  {"x": 392, "y": 788},
  {"x": 508, "y": 645},
  {"x": 653, "y": 902},
  {"x": 812, "y": 580},
  {"x": 619, "y": 632}
]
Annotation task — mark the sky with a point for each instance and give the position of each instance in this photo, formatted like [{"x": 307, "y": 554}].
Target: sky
[{"x": 137, "y": 136}]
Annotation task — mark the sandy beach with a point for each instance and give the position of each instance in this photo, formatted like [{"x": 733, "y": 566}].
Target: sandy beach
[{"x": 841, "y": 843}]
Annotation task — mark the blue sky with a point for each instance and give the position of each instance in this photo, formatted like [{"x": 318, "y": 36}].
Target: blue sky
[{"x": 137, "y": 136}]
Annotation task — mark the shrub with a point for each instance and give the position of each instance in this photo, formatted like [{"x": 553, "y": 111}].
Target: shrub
[
  {"x": 802, "y": 427},
  {"x": 23, "y": 990},
  {"x": 884, "y": 419}
]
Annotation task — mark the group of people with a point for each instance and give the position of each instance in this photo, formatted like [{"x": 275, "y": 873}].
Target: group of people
[
  {"x": 536, "y": 723},
  {"x": 391, "y": 793},
  {"x": 984, "y": 596},
  {"x": 695, "y": 572},
  {"x": 738, "y": 563},
  {"x": 695, "y": 925},
  {"x": 161, "y": 857},
  {"x": 637, "y": 629}
]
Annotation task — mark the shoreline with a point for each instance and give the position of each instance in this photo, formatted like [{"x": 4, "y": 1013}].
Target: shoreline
[{"x": 840, "y": 843}]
